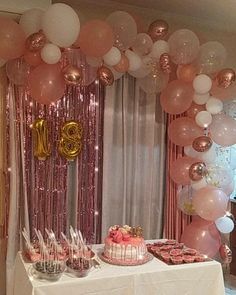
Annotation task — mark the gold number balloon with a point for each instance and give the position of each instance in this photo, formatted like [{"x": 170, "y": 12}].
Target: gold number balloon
[
  {"x": 71, "y": 140},
  {"x": 40, "y": 139}
]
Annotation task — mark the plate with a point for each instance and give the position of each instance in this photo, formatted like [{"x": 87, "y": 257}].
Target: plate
[{"x": 148, "y": 257}]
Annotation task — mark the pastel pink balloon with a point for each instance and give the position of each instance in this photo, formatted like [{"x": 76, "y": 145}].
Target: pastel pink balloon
[
  {"x": 182, "y": 131},
  {"x": 12, "y": 38},
  {"x": 186, "y": 73},
  {"x": 96, "y": 38},
  {"x": 223, "y": 130},
  {"x": 223, "y": 93},
  {"x": 194, "y": 110},
  {"x": 33, "y": 58},
  {"x": 177, "y": 97},
  {"x": 179, "y": 170},
  {"x": 46, "y": 83},
  {"x": 210, "y": 202},
  {"x": 203, "y": 236}
]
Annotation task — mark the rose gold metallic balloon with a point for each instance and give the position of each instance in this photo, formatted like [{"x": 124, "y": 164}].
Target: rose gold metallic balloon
[
  {"x": 158, "y": 29},
  {"x": 105, "y": 76},
  {"x": 202, "y": 143},
  {"x": 197, "y": 171},
  {"x": 225, "y": 78},
  {"x": 225, "y": 254},
  {"x": 72, "y": 75},
  {"x": 36, "y": 41},
  {"x": 165, "y": 63}
]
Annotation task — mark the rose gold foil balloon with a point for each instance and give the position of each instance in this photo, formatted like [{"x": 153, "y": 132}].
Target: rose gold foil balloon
[
  {"x": 105, "y": 76},
  {"x": 36, "y": 41},
  {"x": 158, "y": 29},
  {"x": 225, "y": 78},
  {"x": 165, "y": 63},
  {"x": 72, "y": 75},
  {"x": 202, "y": 143},
  {"x": 197, "y": 171},
  {"x": 225, "y": 254}
]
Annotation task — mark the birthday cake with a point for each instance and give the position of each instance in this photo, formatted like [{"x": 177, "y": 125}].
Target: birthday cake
[{"x": 125, "y": 245}]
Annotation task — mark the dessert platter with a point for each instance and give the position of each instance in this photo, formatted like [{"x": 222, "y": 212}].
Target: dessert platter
[
  {"x": 124, "y": 245},
  {"x": 172, "y": 253}
]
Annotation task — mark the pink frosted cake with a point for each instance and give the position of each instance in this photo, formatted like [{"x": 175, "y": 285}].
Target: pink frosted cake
[{"x": 125, "y": 245}]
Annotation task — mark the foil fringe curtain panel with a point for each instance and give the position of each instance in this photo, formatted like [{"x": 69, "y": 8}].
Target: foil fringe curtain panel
[{"x": 174, "y": 220}]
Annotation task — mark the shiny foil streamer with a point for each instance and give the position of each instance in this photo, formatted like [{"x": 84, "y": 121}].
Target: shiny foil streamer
[{"x": 61, "y": 193}]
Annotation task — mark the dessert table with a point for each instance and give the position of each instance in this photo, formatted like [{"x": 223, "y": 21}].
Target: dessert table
[{"x": 154, "y": 277}]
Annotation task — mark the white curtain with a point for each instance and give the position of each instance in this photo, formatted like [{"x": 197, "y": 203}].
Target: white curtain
[{"x": 134, "y": 159}]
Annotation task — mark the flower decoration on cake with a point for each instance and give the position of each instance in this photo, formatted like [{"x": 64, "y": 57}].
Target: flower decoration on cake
[{"x": 123, "y": 233}]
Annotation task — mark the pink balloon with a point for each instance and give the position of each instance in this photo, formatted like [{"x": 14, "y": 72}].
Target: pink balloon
[
  {"x": 203, "y": 236},
  {"x": 194, "y": 109},
  {"x": 223, "y": 93},
  {"x": 33, "y": 58},
  {"x": 223, "y": 130},
  {"x": 183, "y": 131},
  {"x": 179, "y": 170},
  {"x": 186, "y": 73},
  {"x": 18, "y": 71},
  {"x": 96, "y": 38},
  {"x": 12, "y": 38},
  {"x": 210, "y": 202},
  {"x": 177, "y": 97},
  {"x": 46, "y": 83}
]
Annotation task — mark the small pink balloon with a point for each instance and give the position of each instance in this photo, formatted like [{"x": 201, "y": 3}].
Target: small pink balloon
[
  {"x": 223, "y": 130},
  {"x": 12, "y": 38},
  {"x": 186, "y": 73},
  {"x": 46, "y": 83},
  {"x": 33, "y": 58},
  {"x": 96, "y": 38},
  {"x": 210, "y": 202},
  {"x": 203, "y": 236},
  {"x": 182, "y": 131},
  {"x": 123, "y": 64},
  {"x": 177, "y": 97},
  {"x": 179, "y": 170},
  {"x": 194, "y": 110},
  {"x": 18, "y": 71}
]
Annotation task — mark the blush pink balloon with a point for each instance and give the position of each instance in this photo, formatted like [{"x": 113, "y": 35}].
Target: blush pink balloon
[
  {"x": 194, "y": 109},
  {"x": 177, "y": 97},
  {"x": 186, "y": 73},
  {"x": 210, "y": 202},
  {"x": 12, "y": 38},
  {"x": 203, "y": 236},
  {"x": 123, "y": 64},
  {"x": 183, "y": 131},
  {"x": 223, "y": 130},
  {"x": 223, "y": 93},
  {"x": 33, "y": 58},
  {"x": 46, "y": 83},
  {"x": 179, "y": 170},
  {"x": 96, "y": 38}
]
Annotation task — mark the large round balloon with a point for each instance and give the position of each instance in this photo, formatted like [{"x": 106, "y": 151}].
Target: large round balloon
[
  {"x": 124, "y": 27},
  {"x": 12, "y": 38},
  {"x": 219, "y": 176},
  {"x": 223, "y": 93},
  {"x": 184, "y": 46},
  {"x": 203, "y": 236},
  {"x": 223, "y": 130},
  {"x": 183, "y": 131},
  {"x": 96, "y": 38},
  {"x": 177, "y": 97},
  {"x": 30, "y": 21},
  {"x": 33, "y": 58},
  {"x": 184, "y": 200},
  {"x": 210, "y": 202},
  {"x": 142, "y": 44},
  {"x": 179, "y": 170},
  {"x": 46, "y": 83},
  {"x": 187, "y": 72},
  {"x": 61, "y": 24}
]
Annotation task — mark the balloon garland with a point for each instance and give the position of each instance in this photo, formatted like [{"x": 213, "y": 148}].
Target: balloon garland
[{"x": 33, "y": 50}]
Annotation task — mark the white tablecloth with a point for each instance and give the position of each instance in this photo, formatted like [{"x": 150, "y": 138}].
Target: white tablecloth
[{"x": 154, "y": 277}]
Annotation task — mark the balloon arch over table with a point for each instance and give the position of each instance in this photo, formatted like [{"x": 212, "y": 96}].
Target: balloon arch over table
[{"x": 190, "y": 76}]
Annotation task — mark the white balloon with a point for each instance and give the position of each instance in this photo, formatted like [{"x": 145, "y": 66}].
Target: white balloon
[
  {"x": 202, "y": 84},
  {"x": 209, "y": 156},
  {"x": 224, "y": 224},
  {"x": 135, "y": 61},
  {"x": 196, "y": 185},
  {"x": 189, "y": 151},
  {"x": 117, "y": 75},
  {"x": 94, "y": 61},
  {"x": 203, "y": 119},
  {"x": 30, "y": 21},
  {"x": 112, "y": 57},
  {"x": 51, "y": 53},
  {"x": 201, "y": 98},
  {"x": 61, "y": 24},
  {"x": 159, "y": 47},
  {"x": 214, "y": 105},
  {"x": 145, "y": 68}
]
